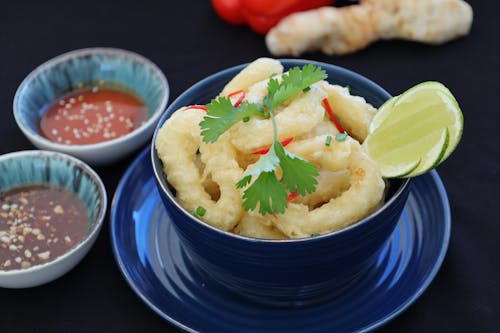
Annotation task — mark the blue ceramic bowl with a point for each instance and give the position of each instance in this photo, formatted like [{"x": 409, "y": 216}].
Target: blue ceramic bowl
[
  {"x": 34, "y": 167},
  {"x": 295, "y": 272},
  {"x": 62, "y": 74}
]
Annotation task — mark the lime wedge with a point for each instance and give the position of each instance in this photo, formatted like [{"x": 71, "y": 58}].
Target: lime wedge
[
  {"x": 416, "y": 131},
  {"x": 382, "y": 113}
]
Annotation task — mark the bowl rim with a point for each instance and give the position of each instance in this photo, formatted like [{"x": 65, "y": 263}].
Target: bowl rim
[
  {"x": 161, "y": 181},
  {"x": 155, "y": 115},
  {"x": 99, "y": 219}
]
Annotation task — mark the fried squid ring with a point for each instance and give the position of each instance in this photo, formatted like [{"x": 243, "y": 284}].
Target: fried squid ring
[
  {"x": 299, "y": 117},
  {"x": 252, "y": 225},
  {"x": 333, "y": 158},
  {"x": 366, "y": 190},
  {"x": 330, "y": 185},
  {"x": 326, "y": 127},
  {"x": 354, "y": 112},
  {"x": 256, "y": 71},
  {"x": 177, "y": 144}
]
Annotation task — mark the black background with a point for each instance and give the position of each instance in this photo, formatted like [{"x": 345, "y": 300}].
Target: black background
[{"x": 188, "y": 42}]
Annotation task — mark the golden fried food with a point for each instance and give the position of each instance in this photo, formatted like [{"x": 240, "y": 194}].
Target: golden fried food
[
  {"x": 366, "y": 188},
  {"x": 299, "y": 117},
  {"x": 354, "y": 113},
  {"x": 252, "y": 225},
  {"x": 259, "y": 70},
  {"x": 177, "y": 145},
  {"x": 205, "y": 174}
]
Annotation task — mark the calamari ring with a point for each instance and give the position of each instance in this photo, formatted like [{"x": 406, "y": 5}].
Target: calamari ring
[
  {"x": 326, "y": 127},
  {"x": 177, "y": 143},
  {"x": 331, "y": 184},
  {"x": 363, "y": 196},
  {"x": 333, "y": 158},
  {"x": 256, "y": 71},
  {"x": 355, "y": 112},
  {"x": 252, "y": 225},
  {"x": 299, "y": 117}
]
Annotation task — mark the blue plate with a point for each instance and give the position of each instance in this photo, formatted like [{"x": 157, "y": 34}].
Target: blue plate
[{"x": 155, "y": 265}]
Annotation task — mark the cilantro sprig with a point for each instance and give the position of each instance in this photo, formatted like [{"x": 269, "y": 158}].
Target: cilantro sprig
[
  {"x": 295, "y": 81},
  {"x": 222, "y": 115},
  {"x": 268, "y": 191}
]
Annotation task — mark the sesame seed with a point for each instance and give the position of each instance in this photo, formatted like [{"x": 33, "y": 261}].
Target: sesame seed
[
  {"x": 44, "y": 255},
  {"x": 58, "y": 209}
]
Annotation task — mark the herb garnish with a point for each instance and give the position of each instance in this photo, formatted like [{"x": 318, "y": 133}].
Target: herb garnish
[
  {"x": 200, "y": 211},
  {"x": 328, "y": 141},
  {"x": 298, "y": 175}
]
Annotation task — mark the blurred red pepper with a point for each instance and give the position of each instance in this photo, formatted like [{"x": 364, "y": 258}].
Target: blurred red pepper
[{"x": 262, "y": 15}]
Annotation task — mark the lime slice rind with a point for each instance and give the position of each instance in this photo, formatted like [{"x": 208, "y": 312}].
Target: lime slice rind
[
  {"x": 381, "y": 113},
  {"x": 399, "y": 171},
  {"x": 433, "y": 158},
  {"x": 455, "y": 133}
]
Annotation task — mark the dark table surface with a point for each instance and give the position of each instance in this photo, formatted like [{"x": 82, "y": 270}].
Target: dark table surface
[{"x": 188, "y": 42}]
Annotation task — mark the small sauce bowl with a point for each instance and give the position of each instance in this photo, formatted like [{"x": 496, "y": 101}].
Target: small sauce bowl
[
  {"x": 38, "y": 167},
  {"x": 67, "y": 72}
]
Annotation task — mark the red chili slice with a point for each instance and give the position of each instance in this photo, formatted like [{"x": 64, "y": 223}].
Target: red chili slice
[
  {"x": 292, "y": 197},
  {"x": 198, "y": 107},
  {"x": 240, "y": 99},
  {"x": 332, "y": 115},
  {"x": 265, "y": 150}
]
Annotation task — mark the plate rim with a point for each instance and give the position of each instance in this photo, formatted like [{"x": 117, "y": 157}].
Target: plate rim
[{"x": 144, "y": 154}]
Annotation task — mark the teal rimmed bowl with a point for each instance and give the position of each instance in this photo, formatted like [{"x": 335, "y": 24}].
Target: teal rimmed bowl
[
  {"x": 63, "y": 73},
  {"x": 32, "y": 167}
]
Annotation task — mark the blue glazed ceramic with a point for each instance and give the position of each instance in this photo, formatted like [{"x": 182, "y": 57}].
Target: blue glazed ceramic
[
  {"x": 52, "y": 168},
  {"x": 156, "y": 265},
  {"x": 291, "y": 273},
  {"x": 64, "y": 73}
]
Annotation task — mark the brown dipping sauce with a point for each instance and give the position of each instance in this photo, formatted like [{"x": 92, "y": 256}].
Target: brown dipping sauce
[
  {"x": 92, "y": 115},
  {"x": 39, "y": 223}
]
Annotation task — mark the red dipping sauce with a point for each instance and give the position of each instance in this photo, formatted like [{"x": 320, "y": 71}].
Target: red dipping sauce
[{"x": 92, "y": 115}]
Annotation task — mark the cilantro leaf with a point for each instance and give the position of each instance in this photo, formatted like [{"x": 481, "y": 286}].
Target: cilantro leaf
[
  {"x": 268, "y": 192},
  {"x": 271, "y": 193},
  {"x": 295, "y": 81},
  {"x": 268, "y": 162},
  {"x": 298, "y": 174},
  {"x": 222, "y": 115}
]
